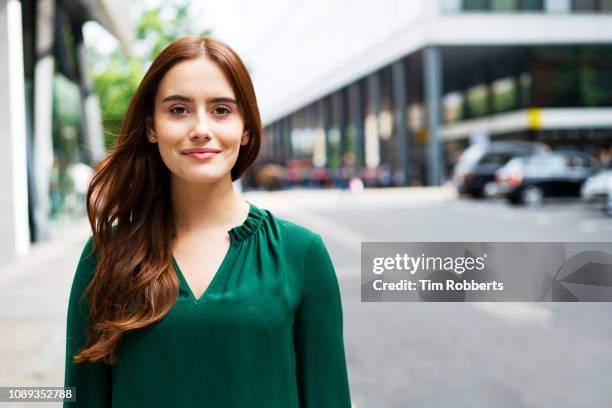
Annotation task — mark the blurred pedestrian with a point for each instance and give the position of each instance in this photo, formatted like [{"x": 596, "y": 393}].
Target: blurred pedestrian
[
  {"x": 81, "y": 176},
  {"x": 349, "y": 164},
  {"x": 55, "y": 190}
]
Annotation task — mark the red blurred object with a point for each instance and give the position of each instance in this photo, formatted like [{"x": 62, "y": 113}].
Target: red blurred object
[
  {"x": 319, "y": 174},
  {"x": 297, "y": 170},
  {"x": 369, "y": 175}
]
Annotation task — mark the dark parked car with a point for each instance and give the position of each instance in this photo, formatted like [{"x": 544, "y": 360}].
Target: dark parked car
[
  {"x": 474, "y": 172},
  {"x": 530, "y": 179}
]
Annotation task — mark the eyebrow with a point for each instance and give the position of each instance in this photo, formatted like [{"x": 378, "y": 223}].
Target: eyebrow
[{"x": 184, "y": 98}]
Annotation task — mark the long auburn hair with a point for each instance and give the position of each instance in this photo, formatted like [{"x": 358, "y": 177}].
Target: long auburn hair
[{"x": 130, "y": 211}]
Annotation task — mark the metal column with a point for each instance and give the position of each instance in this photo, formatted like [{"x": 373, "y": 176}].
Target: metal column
[
  {"x": 279, "y": 141},
  {"x": 92, "y": 120},
  {"x": 338, "y": 108},
  {"x": 372, "y": 141},
  {"x": 324, "y": 118},
  {"x": 288, "y": 149},
  {"x": 398, "y": 79},
  {"x": 356, "y": 119},
  {"x": 278, "y": 148},
  {"x": 43, "y": 116},
  {"x": 432, "y": 67}
]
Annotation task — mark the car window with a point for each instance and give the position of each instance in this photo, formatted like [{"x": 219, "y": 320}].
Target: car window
[
  {"x": 548, "y": 161},
  {"x": 496, "y": 158},
  {"x": 577, "y": 161}
]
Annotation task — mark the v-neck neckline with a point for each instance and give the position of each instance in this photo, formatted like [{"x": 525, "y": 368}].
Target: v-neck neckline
[
  {"x": 205, "y": 295},
  {"x": 236, "y": 234}
]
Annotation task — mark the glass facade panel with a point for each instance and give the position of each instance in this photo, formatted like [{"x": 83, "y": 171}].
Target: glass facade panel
[
  {"x": 555, "y": 76},
  {"x": 550, "y": 76},
  {"x": 558, "y": 6},
  {"x": 505, "y": 95},
  {"x": 504, "y": 5},
  {"x": 477, "y": 100},
  {"x": 524, "y": 90},
  {"x": 498, "y": 5},
  {"x": 572, "y": 76},
  {"x": 594, "y": 76},
  {"x": 452, "y": 106},
  {"x": 450, "y": 6},
  {"x": 532, "y": 5},
  {"x": 475, "y": 5},
  {"x": 528, "y": 5},
  {"x": 585, "y": 5}
]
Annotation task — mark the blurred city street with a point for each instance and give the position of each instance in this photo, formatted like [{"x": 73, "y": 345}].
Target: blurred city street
[
  {"x": 399, "y": 354},
  {"x": 373, "y": 121}
]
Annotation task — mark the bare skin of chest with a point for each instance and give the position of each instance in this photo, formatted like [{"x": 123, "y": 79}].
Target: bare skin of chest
[{"x": 199, "y": 256}]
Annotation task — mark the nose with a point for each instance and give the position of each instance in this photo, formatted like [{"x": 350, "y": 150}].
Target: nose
[{"x": 201, "y": 128}]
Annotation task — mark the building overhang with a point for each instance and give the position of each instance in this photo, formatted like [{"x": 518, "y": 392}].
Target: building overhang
[
  {"x": 465, "y": 29},
  {"x": 530, "y": 119},
  {"x": 113, "y": 15}
]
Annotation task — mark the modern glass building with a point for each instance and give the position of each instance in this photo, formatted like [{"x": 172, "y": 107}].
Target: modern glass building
[
  {"x": 50, "y": 126},
  {"x": 432, "y": 77}
]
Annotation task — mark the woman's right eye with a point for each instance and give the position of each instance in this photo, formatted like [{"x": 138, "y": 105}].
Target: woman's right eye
[{"x": 178, "y": 110}]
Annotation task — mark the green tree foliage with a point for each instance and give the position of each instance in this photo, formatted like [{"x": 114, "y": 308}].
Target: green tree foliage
[{"x": 117, "y": 75}]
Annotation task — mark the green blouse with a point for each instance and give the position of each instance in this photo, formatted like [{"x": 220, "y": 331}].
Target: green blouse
[{"x": 266, "y": 333}]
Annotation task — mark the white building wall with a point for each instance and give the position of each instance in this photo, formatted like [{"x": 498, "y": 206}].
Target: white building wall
[
  {"x": 15, "y": 236},
  {"x": 313, "y": 47},
  {"x": 295, "y": 45}
]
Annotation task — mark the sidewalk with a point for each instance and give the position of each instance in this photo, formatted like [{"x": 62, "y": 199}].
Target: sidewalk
[
  {"x": 33, "y": 299},
  {"x": 370, "y": 197}
]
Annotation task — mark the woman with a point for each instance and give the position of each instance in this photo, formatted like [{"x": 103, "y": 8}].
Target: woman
[{"x": 186, "y": 295}]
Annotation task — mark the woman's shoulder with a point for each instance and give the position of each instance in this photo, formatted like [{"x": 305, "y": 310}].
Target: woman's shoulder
[
  {"x": 87, "y": 261},
  {"x": 299, "y": 242},
  {"x": 291, "y": 230},
  {"x": 85, "y": 269}
]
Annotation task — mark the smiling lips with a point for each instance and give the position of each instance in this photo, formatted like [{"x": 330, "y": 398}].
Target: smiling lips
[{"x": 201, "y": 153}]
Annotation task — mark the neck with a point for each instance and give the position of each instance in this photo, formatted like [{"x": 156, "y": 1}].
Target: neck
[{"x": 206, "y": 206}]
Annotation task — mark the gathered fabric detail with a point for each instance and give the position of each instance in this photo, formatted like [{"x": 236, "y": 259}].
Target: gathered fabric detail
[{"x": 250, "y": 226}]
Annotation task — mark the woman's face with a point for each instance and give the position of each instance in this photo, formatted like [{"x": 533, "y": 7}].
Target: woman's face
[{"x": 197, "y": 123}]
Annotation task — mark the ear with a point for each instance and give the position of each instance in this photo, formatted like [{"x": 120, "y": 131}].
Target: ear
[
  {"x": 246, "y": 136},
  {"x": 151, "y": 135}
]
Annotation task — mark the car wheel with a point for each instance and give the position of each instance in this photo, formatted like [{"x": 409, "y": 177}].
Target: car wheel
[
  {"x": 532, "y": 196},
  {"x": 491, "y": 189}
]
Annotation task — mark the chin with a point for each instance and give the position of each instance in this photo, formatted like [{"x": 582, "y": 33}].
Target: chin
[{"x": 206, "y": 177}]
